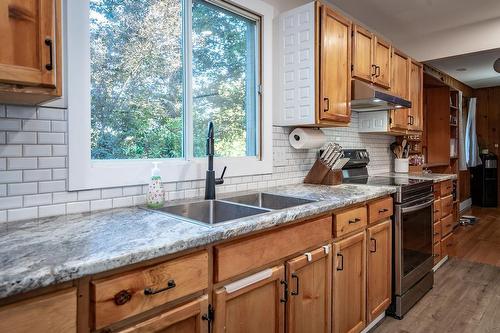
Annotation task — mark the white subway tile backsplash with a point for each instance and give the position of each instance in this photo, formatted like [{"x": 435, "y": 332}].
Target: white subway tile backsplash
[
  {"x": 36, "y": 125},
  {"x": 11, "y": 202},
  {"x": 22, "y": 214},
  {"x": 16, "y": 111},
  {"x": 37, "y": 199},
  {"x": 59, "y": 150},
  {"x": 3, "y": 190},
  {"x": 3, "y": 217},
  {"x": 51, "y": 210},
  {"x": 3, "y": 164},
  {"x": 22, "y": 188},
  {"x": 11, "y": 177},
  {"x": 101, "y": 204},
  {"x": 10, "y": 125},
  {"x": 59, "y": 126},
  {"x": 89, "y": 195},
  {"x": 37, "y": 175},
  {"x": 132, "y": 190},
  {"x": 51, "y": 162},
  {"x": 21, "y": 137},
  {"x": 62, "y": 197},
  {"x": 37, "y": 150},
  {"x": 11, "y": 150},
  {"x": 22, "y": 163},
  {"x": 78, "y": 207},
  {"x": 51, "y": 186},
  {"x": 51, "y": 138},
  {"x": 112, "y": 192},
  {"x": 3, "y": 138},
  {"x": 58, "y": 174},
  {"x": 139, "y": 199},
  {"x": 123, "y": 202},
  {"x": 51, "y": 114}
]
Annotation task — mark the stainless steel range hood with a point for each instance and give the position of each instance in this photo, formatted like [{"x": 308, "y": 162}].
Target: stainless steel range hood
[{"x": 367, "y": 97}]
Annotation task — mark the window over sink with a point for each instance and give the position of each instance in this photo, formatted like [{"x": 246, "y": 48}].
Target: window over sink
[{"x": 146, "y": 77}]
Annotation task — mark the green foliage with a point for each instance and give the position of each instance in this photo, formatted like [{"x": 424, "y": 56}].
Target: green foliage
[{"x": 137, "y": 78}]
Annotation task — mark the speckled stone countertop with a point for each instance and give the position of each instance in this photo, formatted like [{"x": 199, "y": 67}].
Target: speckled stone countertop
[
  {"x": 435, "y": 177},
  {"x": 42, "y": 252}
]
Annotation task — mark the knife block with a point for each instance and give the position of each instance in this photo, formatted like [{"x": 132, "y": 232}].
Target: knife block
[{"x": 323, "y": 175}]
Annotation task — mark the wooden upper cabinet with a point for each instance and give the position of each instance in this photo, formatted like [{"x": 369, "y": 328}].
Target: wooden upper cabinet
[
  {"x": 400, "y": 86},
  {"x": 379, "y": 271},
  {"x": 187, "y": 318},
  {"x": 253, "y": 305},
  {"x": 309, "y": 285},
  {"x": 416, "y": 96},
  {"x": 30, "y": 55},
  {"x": 382, "y": 60},
  {"x": 52, "y": 313},
  {"x": 371, "y": 57},
  {"x": 335, "y": 67},
  {"x": 349, "y": 284},
  {"x": 363, "y": 66}
]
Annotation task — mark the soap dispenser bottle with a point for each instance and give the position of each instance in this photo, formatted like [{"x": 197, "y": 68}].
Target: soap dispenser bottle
[{"x": 156, "y": 194}]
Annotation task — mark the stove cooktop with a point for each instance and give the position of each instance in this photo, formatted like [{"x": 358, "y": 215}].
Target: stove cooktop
[{"x": 384, "y": 180}]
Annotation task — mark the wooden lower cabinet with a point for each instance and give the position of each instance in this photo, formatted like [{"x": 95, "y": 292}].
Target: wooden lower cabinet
[
  {"x": 51, "y": 313},
  {"x": 252, "y": 305},
  {"x": 349, "y": 284},
  {"x": 187, "y": 318},
  {"x": 379, "y": 269},
  {"x": 308, "y": 308},
  {"x": 447, "y": 245}
]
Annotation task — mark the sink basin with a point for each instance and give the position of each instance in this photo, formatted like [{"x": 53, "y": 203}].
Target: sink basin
[
  {"x": 269, "y": 201},
  {"x": 211, "y": 211}
]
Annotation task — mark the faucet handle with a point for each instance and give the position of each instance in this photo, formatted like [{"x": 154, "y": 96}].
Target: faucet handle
[{"x": 220, "y": 180}]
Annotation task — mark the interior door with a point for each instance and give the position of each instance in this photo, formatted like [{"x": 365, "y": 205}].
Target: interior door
[
  {"x": 416, "y": 96},
  {"x": 309, "y": 284},
  {"x": 187, "y": 318},
  {"x": 379, "y": 269},
  {"x": 400, "y": 86},
  {"x": 335, "y": 67},
  {"x": 362, "y": 54},
  {"x": 349, "y": 284},
  {"x": 27, "y": 39},
  {"x": 252, "y": 305},
  {"x": 382, "y": 61}
]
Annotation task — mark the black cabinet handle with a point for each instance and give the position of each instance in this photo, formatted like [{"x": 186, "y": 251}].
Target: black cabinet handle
[
  {"x": 374, "y": 67},
  {"x": 50, "y": 65},
  {"x": 296, "y": 291},
  {"x": 383, "y": 210},
  {"x": 341, "y": 268},
  {"x": 150, "y": 291},
  {"x": 285, "y": 294},
  {"x": 377, "y": 71},
  {"x": 327, "y": 100},
  {"x": 375, "y": 245},
  {"x": 356, "y": 220}
]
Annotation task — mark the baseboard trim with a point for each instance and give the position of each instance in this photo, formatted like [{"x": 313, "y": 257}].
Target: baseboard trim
[
  {"x": 439, "y": 264},
  {"x": 374, "y": 323},
  {"x": 466, "y": 204}
]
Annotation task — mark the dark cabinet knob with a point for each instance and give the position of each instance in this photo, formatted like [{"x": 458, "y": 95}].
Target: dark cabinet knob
[{"x": 122, "y": 297}]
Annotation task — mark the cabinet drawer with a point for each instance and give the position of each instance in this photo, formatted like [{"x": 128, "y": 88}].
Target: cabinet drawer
[
  {"x": 380, "y": 210},
  {"x": 122, "y": 296},
  {"x": 437, "y": 190},
  {"x": 52, "y": 313},
  {"x": 240, "y": 256},
  {"x": 446, "y": 188},
  {"x": 447, "y": 225},
  {"x": 436, "y": 252},
  {"x": 437, "y": 210},
  {"x": 447, "y": 244},
  {"x": 446, "y": 206},
  {"x": 437, "y": 232},
  {"x": 348, "y": 221}
]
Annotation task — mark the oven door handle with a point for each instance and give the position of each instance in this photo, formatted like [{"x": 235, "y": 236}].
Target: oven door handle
[{"x": 417, "y": 207}]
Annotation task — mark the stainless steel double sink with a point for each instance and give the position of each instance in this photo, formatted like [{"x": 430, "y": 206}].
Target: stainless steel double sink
[{"x": 210, "y": 212}]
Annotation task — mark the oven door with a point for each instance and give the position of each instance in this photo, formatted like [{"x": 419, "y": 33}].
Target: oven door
[{"x": 413, "y": 242}]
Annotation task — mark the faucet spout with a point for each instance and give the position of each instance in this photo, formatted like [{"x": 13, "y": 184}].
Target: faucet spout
[{"x": 210, "y": 180}]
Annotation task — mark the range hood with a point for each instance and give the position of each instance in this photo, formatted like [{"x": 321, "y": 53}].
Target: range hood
[{"x": 367, "y": 97}]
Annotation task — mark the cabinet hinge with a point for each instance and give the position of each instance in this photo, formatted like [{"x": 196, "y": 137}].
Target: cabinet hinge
[
  {"x": 352, "y": 68},
  {"x": 209, "y": 316}
]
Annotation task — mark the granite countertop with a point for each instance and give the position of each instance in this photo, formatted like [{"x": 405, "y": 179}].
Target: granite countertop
[
  {"x": 435, "y": 177},
  {"x": 43, "y": 252}
]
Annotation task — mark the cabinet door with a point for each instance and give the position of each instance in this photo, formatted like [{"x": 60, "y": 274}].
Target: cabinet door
[
  {"x": 28, "y": 42},
  {"x": 309, "y": 285},
  {"x": 379, "y": 271},
  {"x": 400, "y": 84},
  {"x": 416, "y": 96},
  {"x": 349, "y": 284},
  {"x": 185, "y": 318},
  {"x": 362, "y": 54},
  {"x": 382, "y": 61},
  {"x": 252, "y": 305},
  {"x": 335, "y": 67}
]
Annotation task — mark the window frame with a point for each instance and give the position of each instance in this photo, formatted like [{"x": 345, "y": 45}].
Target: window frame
[{"x": 85, "y": 173}]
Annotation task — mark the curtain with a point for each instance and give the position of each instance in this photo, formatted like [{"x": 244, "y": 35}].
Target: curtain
[
  {"x": 471, "y": 147},
  {"x": 462, "y": 162}
]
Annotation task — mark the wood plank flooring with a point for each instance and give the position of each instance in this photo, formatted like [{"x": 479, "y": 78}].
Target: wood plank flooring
[{"x": 466, "y": 293}]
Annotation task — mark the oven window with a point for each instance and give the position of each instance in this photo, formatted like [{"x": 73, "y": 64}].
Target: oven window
[{"x": 417, "y": 238}]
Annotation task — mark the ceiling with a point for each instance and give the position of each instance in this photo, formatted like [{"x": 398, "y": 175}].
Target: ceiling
[
  {"x": 479, "y": 71},
  {"x": 430, "y": 29}
]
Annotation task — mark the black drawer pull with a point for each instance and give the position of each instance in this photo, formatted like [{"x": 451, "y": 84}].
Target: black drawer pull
[
  {"x": 285, "y": 292},
  {"x": 150, "y": 291},
  {"x": 374, "y": 245},
  {"x": 341, "y": 268},
  {"x": 327, "y": 100},
  {"x": 50, "y": 65},
  {"x": 356, "y": 220},
  {"x": 383, "y": 210},
  {"x": 296, "y": 291}
]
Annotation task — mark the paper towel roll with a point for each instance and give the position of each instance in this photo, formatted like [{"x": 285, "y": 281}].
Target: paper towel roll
[{"x": 307, "y": 138}]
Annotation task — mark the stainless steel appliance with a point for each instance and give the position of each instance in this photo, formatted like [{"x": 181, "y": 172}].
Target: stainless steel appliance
[
  {"x": 368, "y": 97},
  {"x": 412, "y": 229}
]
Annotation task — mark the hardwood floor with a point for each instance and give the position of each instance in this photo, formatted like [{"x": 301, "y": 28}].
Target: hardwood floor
[
  {"x": 466, "y": 293},
  {"x": 465, "y": 299},
  {"x": 480, "y": 242}
]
